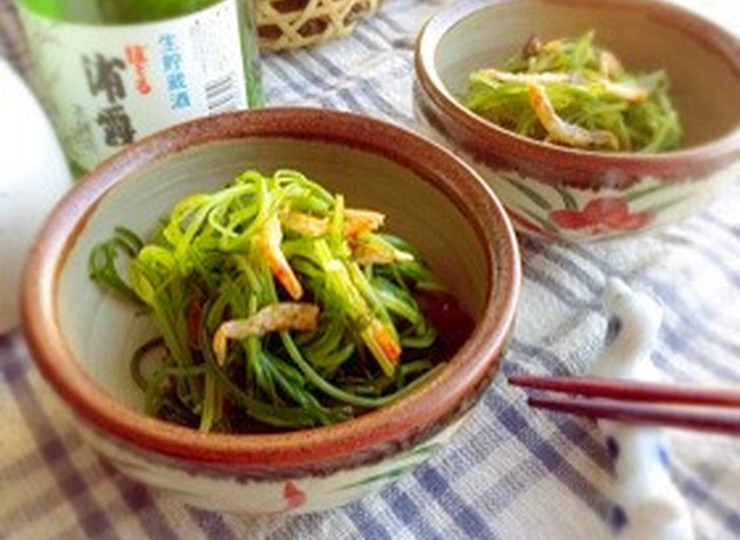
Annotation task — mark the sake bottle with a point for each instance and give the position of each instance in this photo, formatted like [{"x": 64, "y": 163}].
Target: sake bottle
[{"x": 113, "y": 71}]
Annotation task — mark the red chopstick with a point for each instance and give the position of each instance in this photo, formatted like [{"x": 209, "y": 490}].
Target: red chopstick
[
  {"x": 703, "y": 409},
  {"x": 630, "y": 390}
]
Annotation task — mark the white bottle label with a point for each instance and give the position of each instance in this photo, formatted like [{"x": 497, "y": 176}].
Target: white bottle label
[{"x": 107, "y": 86}]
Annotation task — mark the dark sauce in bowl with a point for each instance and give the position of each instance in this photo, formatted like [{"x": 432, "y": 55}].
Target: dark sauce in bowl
[{"x": 453, "y": 324}]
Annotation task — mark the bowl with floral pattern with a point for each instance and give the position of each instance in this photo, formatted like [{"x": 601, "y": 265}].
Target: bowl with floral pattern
[
  {"x": 580, "y": 195},
  {"x": 82, "y": 339}
]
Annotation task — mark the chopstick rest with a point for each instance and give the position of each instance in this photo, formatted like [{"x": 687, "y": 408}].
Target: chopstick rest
[{"x": 649, "y": 504}]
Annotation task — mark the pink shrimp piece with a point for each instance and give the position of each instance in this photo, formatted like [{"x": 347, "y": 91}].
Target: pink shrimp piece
[
  {"x": 357, "y": 222},
  {"x": 273, "y": 318},
  {"x": 383, "y": 344},
  {"x": 269, "y": 240},
  {"x": 628, "y": 91},
  {"x": 374, "y": 253},
  {"x": 561, "y": 131},
  {"x": 304, "y": 224},
  {"x": 543, "y": 78},
  {"x": 609, "y": 64}
]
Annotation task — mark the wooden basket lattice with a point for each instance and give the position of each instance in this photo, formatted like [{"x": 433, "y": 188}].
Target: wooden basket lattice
[{"x": 290, "y": 24}]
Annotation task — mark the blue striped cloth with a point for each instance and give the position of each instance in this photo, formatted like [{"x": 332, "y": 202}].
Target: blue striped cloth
[{"x": 511, "y": 473}]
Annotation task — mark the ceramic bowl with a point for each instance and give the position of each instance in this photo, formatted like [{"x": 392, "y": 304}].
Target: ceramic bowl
[
  {"x": 578, "y": 195},
  {"x": 82, "y": 339}
]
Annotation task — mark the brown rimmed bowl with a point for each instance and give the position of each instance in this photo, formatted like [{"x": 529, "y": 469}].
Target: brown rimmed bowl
[
  {"x": 82, "y": 339},
  {"x": 577, "y": 195}
]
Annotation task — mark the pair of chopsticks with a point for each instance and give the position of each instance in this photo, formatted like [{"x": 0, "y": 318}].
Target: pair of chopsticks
[{"x": 702, "y": 409}]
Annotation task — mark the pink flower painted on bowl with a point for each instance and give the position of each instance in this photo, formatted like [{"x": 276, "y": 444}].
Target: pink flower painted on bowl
[
  {"x": 601, "y": 215},
  {"x": 293, "y": 495}
]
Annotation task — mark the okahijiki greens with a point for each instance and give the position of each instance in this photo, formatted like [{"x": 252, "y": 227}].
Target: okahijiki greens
[
  {"x": 278, "y": 307},
  {"x": 577, "y": 94}
]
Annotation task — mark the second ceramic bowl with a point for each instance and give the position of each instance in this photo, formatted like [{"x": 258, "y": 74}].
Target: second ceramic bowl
[{"x": 578, "y": 195}]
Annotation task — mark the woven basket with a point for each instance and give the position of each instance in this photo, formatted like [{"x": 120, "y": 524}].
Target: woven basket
[{"x": 290, "y": 24}]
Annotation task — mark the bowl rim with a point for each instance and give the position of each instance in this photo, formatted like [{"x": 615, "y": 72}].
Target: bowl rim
[
  {"x": 676, "y": 164},
  {"x": 316, "y": 447}
]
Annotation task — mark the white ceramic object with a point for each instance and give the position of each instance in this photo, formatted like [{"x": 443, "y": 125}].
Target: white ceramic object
[
  {"x": 650, "y": 504},
  {"x": 33, "y": 177}
]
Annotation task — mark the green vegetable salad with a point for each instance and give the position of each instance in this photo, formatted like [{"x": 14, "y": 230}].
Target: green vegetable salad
[
  {"x": 278, "y": 307},
  {"x": 577, "y": 94}
]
